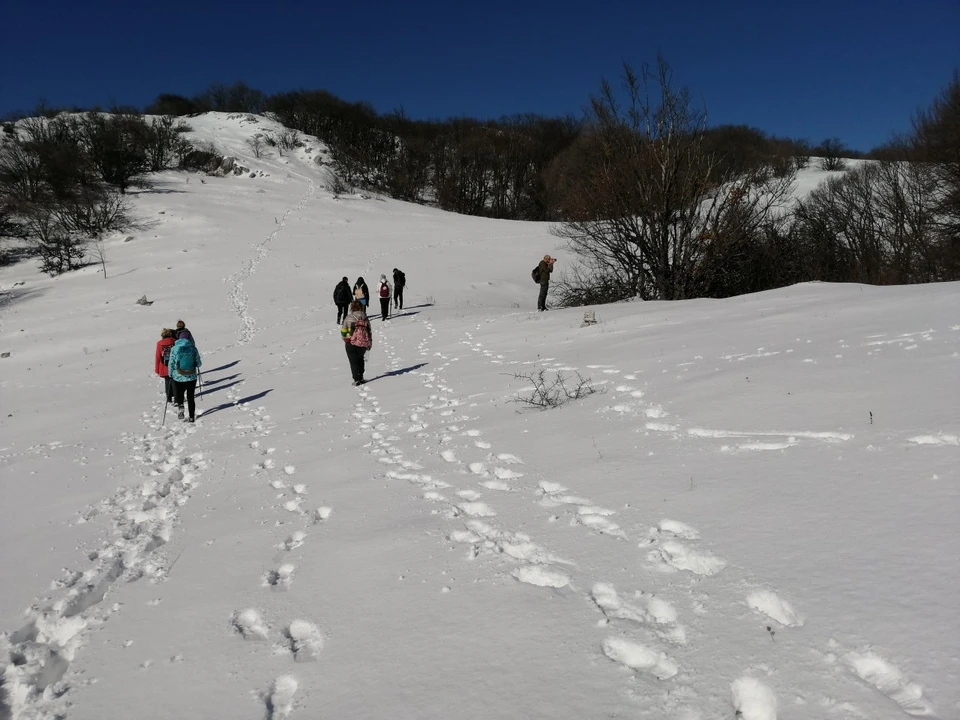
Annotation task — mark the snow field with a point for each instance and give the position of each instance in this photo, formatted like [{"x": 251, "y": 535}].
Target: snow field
[{"x": 700, "y": 540}]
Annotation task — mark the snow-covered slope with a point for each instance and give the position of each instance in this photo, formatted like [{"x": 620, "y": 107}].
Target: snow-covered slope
[{"x": 756, "y": 514}]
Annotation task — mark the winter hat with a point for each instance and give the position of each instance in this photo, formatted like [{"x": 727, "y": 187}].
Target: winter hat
[
  {"x": 383, "y": 278},
  {"x": 185, "y": 335},
  {"x": 345, "y": 279}
]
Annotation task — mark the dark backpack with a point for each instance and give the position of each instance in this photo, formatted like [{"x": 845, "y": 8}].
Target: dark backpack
[
  {"x": 342, "y": 294},
  {"x": 536, "y": 274},
  {"x": 165, "y": 354},
  {"x": 399, "y": 279},
  {"x": 191, "y": 367}
]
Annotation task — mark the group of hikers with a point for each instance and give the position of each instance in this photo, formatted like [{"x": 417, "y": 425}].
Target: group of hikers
[
  {"x": 177, "y": 361},
  {"x": 352, "y": 315},
  {"x": 343, "y": 296}
]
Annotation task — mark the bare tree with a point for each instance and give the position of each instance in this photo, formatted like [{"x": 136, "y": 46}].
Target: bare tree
[
  {"x": 831, "y": 152},
  {"x": 654, "y": 198},
  {"x": 256, "y": 145},
  {"x": 801, "y": 153}
]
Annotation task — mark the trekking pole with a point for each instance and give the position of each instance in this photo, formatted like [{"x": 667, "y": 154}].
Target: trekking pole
[
  {"x": 164, "y": 418},
  {"x": 200, "y": 384}
]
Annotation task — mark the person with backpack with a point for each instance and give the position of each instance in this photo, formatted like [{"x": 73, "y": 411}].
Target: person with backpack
[
  {"x": 183, "y": 367},
  {"x": 361, "y": 292},
  {"x": 357, "y": 337},
  {"x": 399, "y": 280},
  {"x": 541, "y": 275},
  {"x": 161, "y": 360},
  {"x": 383, "y": 292},
  {"x": 342, "y": 297}
]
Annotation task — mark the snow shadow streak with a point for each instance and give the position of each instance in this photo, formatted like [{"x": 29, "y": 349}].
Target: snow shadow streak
[{"x": 234, "y": 403}]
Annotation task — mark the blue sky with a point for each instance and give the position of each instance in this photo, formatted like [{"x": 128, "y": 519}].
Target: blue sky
[{"x": 855, "y": 69}]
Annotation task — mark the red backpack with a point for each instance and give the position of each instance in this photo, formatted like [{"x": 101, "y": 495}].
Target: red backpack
[
  {"x": 384, "y": 290},
  {"x": 361, "y": 334}
]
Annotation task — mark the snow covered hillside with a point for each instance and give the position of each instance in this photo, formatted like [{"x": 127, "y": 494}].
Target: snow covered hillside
[{"x": 756, "y": 513}]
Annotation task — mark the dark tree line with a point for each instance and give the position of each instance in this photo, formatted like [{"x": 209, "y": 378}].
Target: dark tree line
[
  {"x": 655, "y": 203},
  {"x": 658, "y": 206},
  {"x": 63, "y": 180}
]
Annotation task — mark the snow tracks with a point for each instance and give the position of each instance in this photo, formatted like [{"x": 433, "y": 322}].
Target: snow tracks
[
  {"x": 687, "y": 616},
  {"x": 142, "y": 517}
]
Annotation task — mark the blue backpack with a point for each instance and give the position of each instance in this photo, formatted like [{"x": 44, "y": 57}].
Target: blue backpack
[{"x": 187, "y": 366}]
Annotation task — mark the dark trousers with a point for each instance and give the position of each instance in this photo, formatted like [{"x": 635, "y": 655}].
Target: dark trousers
[
  {"x": 189, "y": 388},
  {"x": 342, "y": 310},
  {"x": 355, "y": 356},
  {"x": 384, "y": 308},
  {"x": 168, "y": 388},
  {"x": 398, "y": 297},
  {"x": 542, "y": 300}
]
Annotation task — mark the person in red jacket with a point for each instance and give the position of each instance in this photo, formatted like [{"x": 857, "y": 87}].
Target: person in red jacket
[{"x": 164, "y": 346}]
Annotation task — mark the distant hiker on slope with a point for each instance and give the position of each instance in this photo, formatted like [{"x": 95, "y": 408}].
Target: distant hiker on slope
[
  {"x": 342, "y": 297},
  {"x": 361, "y": 292},
  {"x": 541, "y": 275},
  {"x": 183, "y": 366},
  {"x": 182, "y": 331},
  {"x": 383, "y": 292},
  {"x": 399, "y": 281},
  {"x": 357, "y": 337},
  {"x": 162, "y": 357}
]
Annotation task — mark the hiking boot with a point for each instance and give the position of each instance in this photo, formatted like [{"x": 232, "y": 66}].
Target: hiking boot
[
  {"x": 191, "y": 420},
  {"x": 180, "y": 412}
]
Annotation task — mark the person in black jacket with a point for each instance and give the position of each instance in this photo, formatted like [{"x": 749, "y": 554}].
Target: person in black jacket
[
  {"x": 399, "y": 280},
  {"x": 342, "y": 296}
]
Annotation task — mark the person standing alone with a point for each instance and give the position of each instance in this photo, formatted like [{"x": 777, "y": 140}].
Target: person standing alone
[
  {"x": 399, "y": 281},
  {"x": 545, "y": 268},
  {"x": 342, "y": 296},
  {"x": 383, "y": 292}
]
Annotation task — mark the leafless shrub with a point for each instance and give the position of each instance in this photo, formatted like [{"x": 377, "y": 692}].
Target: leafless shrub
[
  {"x": 552, "y": 391},
  {"x": 338, "y": 186},
  {"x": 256, "y": 144},
  {"x": 831, "y": 152}
]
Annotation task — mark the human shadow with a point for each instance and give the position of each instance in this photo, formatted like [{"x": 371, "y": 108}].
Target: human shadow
[
  {"x": 210, "y": 391},
  {"x": 219, "y": 380},
  {"x": 401, "y": 371},
  {"x": 222, "y": 367},
  {"x": 414, "y": 307},
  {"x": 403, "y": 313},
  {"x": 234, "y": 403}
]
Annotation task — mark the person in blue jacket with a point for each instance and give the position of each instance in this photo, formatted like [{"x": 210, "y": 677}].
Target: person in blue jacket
[{"x": 183, "y": 366}]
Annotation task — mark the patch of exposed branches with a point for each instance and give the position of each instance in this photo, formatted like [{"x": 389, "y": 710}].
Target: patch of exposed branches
[{"x": 551, "y": 390}]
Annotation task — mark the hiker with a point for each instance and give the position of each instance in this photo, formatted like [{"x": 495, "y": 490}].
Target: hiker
[
  {"x": 399, "y": 280},
  {"x": 183, "y": 367},
  {"x": 182, "y": 331},
  {"x": 361, "y": 292},
  {"x": 383, "y": 292},
  {"x": 542, "y": 276},
  {"x": 342, "y": 296},
  {"x": 164, "y": 346},
  {"x": 357, "y": 337}
]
